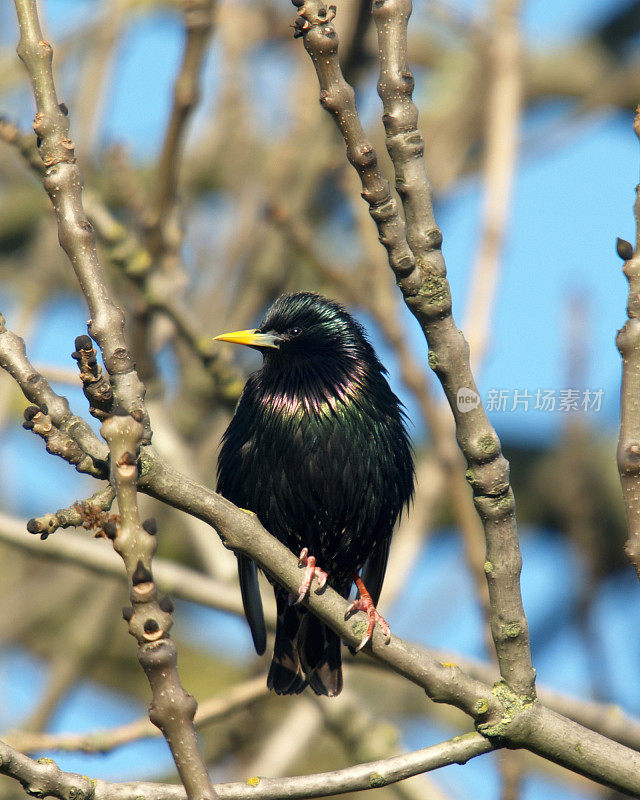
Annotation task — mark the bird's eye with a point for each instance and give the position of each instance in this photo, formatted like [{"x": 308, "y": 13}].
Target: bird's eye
[{"x": 295, "y": 331}]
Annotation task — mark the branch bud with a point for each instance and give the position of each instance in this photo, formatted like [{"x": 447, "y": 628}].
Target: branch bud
[{"x": 624, "y": 249}]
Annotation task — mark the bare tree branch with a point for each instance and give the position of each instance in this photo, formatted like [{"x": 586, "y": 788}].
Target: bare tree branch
[
  {"x": 103, "y": 741},
  {"x": 172, "y": 709},
  {"x": 13, "y": 359},
  {"x": 242, "y": 532},
  {"x": 425, "y": 288},
  {"x": 73, "y": 517},
  {"x": 186, "y": 584},
  {"x": 45, "y": 779},
  {"x": 63, "y": 182},
  {"x": 505, "y": 715},
  {"x": 501, "y": 143},
  {"x": 198, "y": 21},
  {"x": 628, "y": 342},
  {"x": 605, "y": 718},
  {"x": 57, "y": 442},
  {"x": 502, "y": 122},
  {"x": 179, "y": 581},
  {"x": 495, "y": 712},
  {"x": 547, "y": 734}
]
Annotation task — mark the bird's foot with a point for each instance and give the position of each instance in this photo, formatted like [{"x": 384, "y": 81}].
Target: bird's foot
[
  {"x": 365, "y": 603},
  {"x": 305, "y": 560}
]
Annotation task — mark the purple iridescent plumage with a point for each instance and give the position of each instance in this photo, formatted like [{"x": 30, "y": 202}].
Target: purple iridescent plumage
[{"x": 318, "y": 449}]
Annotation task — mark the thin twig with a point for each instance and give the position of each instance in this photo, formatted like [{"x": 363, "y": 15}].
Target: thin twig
[
  {"x": 198, "y": 22},
  {"x": 13, "y": 359},
  {"x": 502, "y": 122},
  {"x": 237, "y": 697},
  {"x": 74, "y": 516}
]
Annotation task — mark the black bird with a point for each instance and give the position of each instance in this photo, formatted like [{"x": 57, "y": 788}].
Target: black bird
[{"x": 318, "y": 449}]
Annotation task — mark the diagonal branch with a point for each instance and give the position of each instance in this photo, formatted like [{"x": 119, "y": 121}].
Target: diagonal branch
[
  {"x": 182, "y": 582},
  {"x": 58, "y": 443},
  {"x": 187, "y": 584},
  {"x": 36, "y": 389},
  {"x": 63, "y": 182},
  {"x": 103, "y": 741},
  {"x": 488, "y": 470},
  {"x": 241, "y": 531}
]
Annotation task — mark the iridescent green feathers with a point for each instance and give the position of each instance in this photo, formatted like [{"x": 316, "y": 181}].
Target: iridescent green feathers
[{"x": 318, "y": 449}]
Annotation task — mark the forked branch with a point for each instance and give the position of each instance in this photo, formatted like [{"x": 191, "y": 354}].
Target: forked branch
[{"x": 416, "y": 258}]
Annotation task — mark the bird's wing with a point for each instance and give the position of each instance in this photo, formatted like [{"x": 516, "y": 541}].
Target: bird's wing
[
  {"x": 252, "y": 602},
  {"x": 374, "y": 569}
]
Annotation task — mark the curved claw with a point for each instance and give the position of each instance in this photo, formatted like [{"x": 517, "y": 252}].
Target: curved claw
[
  {"x": 311, "y": 571},
  {"x": 365, "y": 603}
]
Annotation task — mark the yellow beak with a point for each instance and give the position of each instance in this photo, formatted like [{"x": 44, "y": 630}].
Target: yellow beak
[{"x": 252, "y": 338}]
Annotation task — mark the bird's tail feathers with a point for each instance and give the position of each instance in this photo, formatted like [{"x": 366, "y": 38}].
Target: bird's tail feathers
[
  {"x": 285, "y": 674},
  {"x": 305, "y": 652},
  {"x": 319, "y": 651},
  {"x": 252, "y": 602}
]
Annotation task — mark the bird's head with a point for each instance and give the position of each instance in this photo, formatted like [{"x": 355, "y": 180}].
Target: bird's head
[{"x": 308, "y": 328}]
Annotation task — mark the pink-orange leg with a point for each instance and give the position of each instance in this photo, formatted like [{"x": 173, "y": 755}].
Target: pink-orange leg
[
  {"x": 311, "y": 571},
  {"x": 365, "y": 603}
]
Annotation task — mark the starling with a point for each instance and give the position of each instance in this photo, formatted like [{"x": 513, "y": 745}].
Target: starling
[{"x": 318, "y": 449}]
